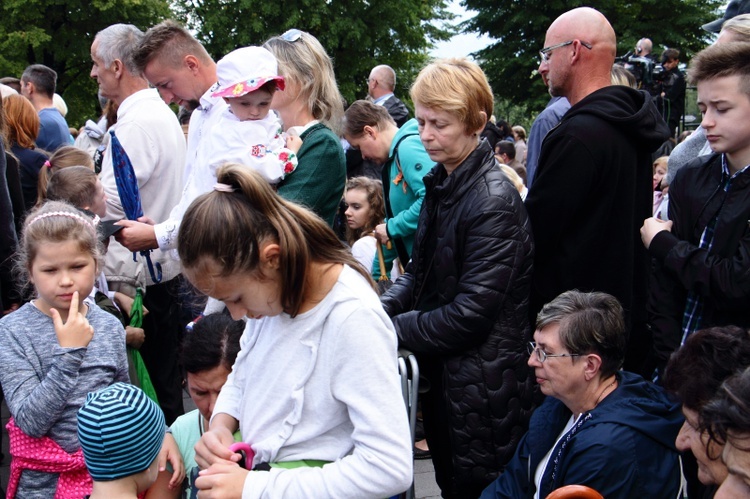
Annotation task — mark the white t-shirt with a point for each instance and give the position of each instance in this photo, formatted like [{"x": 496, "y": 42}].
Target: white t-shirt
[
  {"x": 364, "y": 250},
  {"x": 539, "y": 473}
]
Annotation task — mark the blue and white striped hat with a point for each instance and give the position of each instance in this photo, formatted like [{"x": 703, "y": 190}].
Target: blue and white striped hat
[{"x": 120, "y": 430}]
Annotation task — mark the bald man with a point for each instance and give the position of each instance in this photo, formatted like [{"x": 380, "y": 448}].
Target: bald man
[
  {"x": 643, "y": 47},
  {"x": 593, "y": 181},
  {"x": 380, "y": 86}
]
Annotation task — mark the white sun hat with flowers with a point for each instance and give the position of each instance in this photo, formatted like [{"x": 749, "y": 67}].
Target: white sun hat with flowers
[{"x": 245, "y": 70}]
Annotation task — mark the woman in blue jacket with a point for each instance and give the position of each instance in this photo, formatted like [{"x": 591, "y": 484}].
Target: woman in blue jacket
[{"x": 601, "y": 427}]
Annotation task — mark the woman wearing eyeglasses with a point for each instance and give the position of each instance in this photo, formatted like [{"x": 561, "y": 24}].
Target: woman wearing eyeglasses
[
  {"x": 601, "y": 427},
  {"x": 462, "y": 305},
  {"x": 310, "y": 107}
]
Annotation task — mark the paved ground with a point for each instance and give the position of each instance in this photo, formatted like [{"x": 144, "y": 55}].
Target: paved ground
[{"x": 425, "y": 486}]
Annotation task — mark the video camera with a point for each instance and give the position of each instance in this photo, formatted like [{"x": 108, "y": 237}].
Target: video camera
[{"x": 648, "y": 74}]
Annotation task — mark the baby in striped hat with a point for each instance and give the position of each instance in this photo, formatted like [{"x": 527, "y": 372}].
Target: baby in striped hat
[{"x": 121, "y": 431}]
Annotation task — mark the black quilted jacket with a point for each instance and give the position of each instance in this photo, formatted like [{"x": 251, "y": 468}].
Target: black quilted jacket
[{"x": 482, "y": 266}]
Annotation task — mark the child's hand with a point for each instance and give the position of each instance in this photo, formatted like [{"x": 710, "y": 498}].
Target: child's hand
[
  {"x": 123, "y": 301},
  {"x": 76, "y": 331},
  {"x": 651, "y": 227},
  {"x": 293, "y": 143},
  {"x": 134, "y": 337},
  {"x": 213, "y": 447},
  {"x": 171, "y": 452},
  {"x": 221, "y": 480}
]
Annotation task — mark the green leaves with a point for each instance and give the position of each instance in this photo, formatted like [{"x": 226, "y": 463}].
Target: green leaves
[
  {"x": 59, "y": 33},
  {"x": 520, "y": 27},
  {"x": 357, "y": 34}
]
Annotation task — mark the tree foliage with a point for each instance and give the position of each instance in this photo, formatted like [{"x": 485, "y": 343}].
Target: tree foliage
[
  {"x": 519, "y": 26},
  {"x": 59, "y": 33},
  {"x": 357, "y": 34}
]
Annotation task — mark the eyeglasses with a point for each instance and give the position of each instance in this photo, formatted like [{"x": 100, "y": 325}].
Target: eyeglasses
[
  {"x": 546, "y": 51},
  {"x": 542, "y": 356},
  {"x": 291, "y": 35}
]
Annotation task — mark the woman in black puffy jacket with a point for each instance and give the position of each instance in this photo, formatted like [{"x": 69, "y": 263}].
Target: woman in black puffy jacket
[{"x": 462, "y": 305}]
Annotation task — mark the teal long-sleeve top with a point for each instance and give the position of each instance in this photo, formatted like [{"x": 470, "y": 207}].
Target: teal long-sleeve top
[{"x": 406, "y": 196}]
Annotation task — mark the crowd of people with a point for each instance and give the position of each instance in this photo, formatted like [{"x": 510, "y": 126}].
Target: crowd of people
[{"x": 575, "y": 298}]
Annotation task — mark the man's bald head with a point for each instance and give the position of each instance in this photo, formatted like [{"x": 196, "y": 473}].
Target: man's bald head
[
  {"x": 585, "y": 24},
  {"x": 644, "y": 47},
  {"x": 583, "y": 65}
]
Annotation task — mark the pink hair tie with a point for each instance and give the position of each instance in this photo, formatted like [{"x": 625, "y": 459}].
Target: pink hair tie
[
  {"x": 48, "y": 164},
  {"x": 223, "y": 187}
]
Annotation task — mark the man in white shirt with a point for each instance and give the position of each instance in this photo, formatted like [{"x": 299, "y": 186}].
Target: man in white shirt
[
  {"x": 182, "y": 71},
  {"x": 153, "y": 140}
]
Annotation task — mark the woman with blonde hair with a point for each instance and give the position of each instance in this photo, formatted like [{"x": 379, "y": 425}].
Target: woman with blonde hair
[
  {"x": 462, "y": 305},
  {"x": 22, "y": 128},
  {"x": 311, "y": 107}
]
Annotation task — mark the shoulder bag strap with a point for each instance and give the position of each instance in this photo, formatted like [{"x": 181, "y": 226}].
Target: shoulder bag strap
[{"x": 403, "y": 255}]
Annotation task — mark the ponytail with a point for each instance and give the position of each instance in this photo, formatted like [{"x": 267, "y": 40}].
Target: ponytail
[{"x": 228, "y": 225}]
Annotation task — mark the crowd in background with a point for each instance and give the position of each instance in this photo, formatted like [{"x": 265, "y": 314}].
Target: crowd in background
[{"x": 575, "y": 296}]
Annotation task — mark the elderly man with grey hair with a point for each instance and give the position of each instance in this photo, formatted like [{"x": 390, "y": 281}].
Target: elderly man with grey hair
[{"x": 153, "y": 139}]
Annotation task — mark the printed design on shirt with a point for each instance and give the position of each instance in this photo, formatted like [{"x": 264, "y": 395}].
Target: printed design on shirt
[{"x": 258, "y": 150}]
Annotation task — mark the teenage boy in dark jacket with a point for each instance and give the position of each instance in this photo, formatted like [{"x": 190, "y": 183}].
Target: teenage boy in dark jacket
[{"x": 702, "y": 256}]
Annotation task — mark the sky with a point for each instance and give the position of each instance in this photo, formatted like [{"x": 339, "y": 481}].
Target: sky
[{"x": 460, "y": 45}]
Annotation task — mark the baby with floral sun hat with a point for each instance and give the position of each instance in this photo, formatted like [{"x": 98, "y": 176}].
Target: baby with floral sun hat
[{"x": 248, "y": 131}]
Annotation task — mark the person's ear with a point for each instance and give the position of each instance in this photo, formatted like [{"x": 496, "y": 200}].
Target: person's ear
[
  {"x": 192, "y": 63},
  {"x": 479, "y": 130},
  {"x": 117, "y": 68},
  {"x": 593, "y": 366},
  {"x": 270, "y": 256},
  {"x": 370, "y": 131}
]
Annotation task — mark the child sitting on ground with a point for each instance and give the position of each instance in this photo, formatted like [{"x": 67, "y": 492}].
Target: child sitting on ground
[{"x": 121, "y": 431}]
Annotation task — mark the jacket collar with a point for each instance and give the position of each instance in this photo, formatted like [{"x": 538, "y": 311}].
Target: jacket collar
[{"x": 448, "y": 189}]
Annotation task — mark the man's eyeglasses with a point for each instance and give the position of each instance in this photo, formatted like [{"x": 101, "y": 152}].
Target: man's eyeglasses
[
  {"x": 291, "y": 35},
  {"x": 542, "y": 356},
  {"x": 546, "y": 51}
]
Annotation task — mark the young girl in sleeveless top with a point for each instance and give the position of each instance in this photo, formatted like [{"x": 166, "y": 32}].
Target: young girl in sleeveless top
[
  {"x": 315, "y": 388},
  {"x": 56, "y": 349}
]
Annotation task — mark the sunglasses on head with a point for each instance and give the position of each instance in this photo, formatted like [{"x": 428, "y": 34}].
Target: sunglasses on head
[{"x": 291, "y": 35}]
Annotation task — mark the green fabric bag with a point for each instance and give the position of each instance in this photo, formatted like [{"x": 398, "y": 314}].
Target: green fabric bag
[{"x": 136, "y": 361}]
